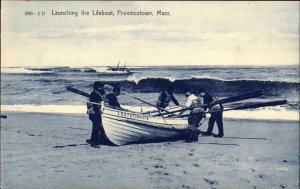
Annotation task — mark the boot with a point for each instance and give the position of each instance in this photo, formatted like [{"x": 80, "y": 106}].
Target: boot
[
  {"x": 195, "y": 136},
  {"x": 189, "y": 137},
  {"x": 218, "y": 135},
  {"x": 93, "y": 145},
  {"x": 207, "y": 134}
]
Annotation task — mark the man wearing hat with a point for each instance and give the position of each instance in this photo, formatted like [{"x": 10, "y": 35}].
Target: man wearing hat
[
  {"x": 94, "y": 111},
  {"x": 196, "y": 115},
  {"x": 165, "y": 97},
  {"x": 216, "y": 115},
  {"x": 112, "y": 98}
]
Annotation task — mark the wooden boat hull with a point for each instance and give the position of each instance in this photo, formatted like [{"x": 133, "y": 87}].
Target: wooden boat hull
[{"x": 124, "y": 127}]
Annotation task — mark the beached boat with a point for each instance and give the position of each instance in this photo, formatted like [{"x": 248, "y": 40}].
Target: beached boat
[{"x": 126, "y": 127}]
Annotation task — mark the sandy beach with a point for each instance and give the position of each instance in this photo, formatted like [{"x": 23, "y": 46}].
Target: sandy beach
[{"x": 49, "y": 151}]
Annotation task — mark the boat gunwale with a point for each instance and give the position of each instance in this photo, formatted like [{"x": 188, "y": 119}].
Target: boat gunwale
[{"x": 137, "y": 113}]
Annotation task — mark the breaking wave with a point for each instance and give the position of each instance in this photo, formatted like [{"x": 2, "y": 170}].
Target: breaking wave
[{"x": 223, "y": 87}]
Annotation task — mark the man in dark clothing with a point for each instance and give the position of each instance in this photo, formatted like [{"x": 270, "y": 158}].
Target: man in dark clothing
[
  {"x": 196, "y": 115},
  {"x": 94, "y": 111},
  {"x": 216, "y": 115},
  {"x": 165, "y": 97},
  {"x": 112, "y": 99}
]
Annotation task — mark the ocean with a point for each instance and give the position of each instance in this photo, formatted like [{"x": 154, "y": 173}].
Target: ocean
[{"x": 43, "y": 89}]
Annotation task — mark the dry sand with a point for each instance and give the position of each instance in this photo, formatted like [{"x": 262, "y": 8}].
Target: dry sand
[{"x": 49, "y": 151}]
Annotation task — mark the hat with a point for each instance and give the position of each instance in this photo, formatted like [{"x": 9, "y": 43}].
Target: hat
[
  {"x": 116, "y": 89},
  {"x": 188, "y": 93},
  {"x": 169, "y": 89},
  {"x": 201, "y": 90},
  {"x": 97, "y": 84}
]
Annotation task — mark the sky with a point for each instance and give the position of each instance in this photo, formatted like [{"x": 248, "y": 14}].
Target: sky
[{"x": 195, "y": 33}]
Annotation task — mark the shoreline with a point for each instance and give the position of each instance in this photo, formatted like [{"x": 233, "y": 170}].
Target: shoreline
[
  {"x": 85, "y": 115},
  {"x": 49, "y": 151}
]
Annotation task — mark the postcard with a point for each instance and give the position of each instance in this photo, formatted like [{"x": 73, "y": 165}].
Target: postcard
[{"x": 149, "y": 94}]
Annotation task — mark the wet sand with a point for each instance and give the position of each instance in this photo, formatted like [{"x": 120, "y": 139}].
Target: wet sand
[{"x": 49, "y": 151}]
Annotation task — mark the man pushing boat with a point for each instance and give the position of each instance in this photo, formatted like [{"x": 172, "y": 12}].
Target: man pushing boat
[
  {"x": 95, "y": 111},
  {"x": 194, "y": 103},
  {"x": 216, "y": 114},
  {"x": 112, "y": 98},
  {"x": 165, "y": 97}
]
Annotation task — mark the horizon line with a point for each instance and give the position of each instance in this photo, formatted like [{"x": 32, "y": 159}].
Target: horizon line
[{"x": 189, "y": 65}]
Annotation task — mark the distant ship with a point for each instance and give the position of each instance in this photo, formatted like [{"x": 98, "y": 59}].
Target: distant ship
[{"x": 120, "y": 70}]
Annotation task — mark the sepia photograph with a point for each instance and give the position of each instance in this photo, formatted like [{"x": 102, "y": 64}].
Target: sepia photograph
[{"x": 150, "y": 94}]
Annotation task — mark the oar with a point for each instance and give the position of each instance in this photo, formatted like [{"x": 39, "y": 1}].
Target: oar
[
  {"x": 256, "y": 105},
  {"x": 125, "y": 93},
  {"x": 236, "y": 98},
  {"x": 223, "y": 101},
  {"x": 73, "y": 90}
]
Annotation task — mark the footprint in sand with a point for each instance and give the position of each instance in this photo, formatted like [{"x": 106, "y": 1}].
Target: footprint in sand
[
  {"x": 244, "y": 180},
  {"x": 159, "y": 173},
  {"x": 177, "y": 165},
  {"x": 185, "y": 186},
  {"x": 261, "y": 176},
  {"x": 30, "y": 134},
  {"x": 210, "y": 173},
  {"x": 196, "y": 165},
  {"x": 282, "y": 186},
  {"x": 158, "y": 166},
  {"x": 211, "y": 182}
]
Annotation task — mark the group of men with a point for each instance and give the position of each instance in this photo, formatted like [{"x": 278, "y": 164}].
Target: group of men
[{"x": 198, "y": 103}]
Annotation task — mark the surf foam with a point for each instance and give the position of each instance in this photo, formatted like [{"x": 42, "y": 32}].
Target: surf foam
[{"x": 20, "y": 70}]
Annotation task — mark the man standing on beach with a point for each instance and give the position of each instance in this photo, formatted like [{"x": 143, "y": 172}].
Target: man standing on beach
[
  {"x": 94, "y": 111},
  {"x": 196, "y": 115},
  {"x": 216, "y": 115}
]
